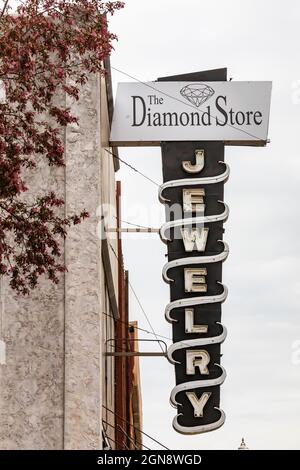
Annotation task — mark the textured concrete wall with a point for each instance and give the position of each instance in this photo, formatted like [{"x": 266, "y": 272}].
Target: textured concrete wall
[
  {"x": 50, "y": 388},
  {"x": 82, "y": 290},
  {"x": 31, "y": 382}
]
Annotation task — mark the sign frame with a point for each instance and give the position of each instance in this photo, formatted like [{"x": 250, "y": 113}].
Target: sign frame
[{"x": 236, "y": 113}]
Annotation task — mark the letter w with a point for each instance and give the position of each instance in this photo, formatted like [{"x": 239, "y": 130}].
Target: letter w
[{"x": 194, "y": 238}]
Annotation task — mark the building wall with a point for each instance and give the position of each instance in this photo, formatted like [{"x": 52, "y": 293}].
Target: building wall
[{"x": 52, "y": 386}]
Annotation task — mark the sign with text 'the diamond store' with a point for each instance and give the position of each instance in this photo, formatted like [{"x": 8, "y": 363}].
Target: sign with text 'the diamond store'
[{"x": 233, "y": 112}]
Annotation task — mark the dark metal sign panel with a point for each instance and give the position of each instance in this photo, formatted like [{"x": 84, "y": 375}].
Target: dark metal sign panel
[
  {"x": 195, "y": 212},
  {"x": 194, "y": 174}
]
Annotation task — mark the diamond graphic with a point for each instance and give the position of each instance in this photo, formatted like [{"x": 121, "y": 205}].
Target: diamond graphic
[{"x": 197, "y": 93}]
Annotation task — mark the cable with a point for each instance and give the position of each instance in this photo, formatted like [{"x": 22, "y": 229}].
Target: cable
[
  {"x": 139, "y": 302},
  {"x": 118, "y": 444},
  {"x": 131, "y": 440},
  {"x": 124, "y": 443},
  {"x": 131, "y": 223},
  {"x": 4, "y": 8},
  {"x": 105, "y": 436},
  {"x": 142, "y": 329},
  {"x": 145, "y": 314},
  {"x": 136, "y": 327},
  {"x": 181, "y": 101},
  {"x": 105, "y": 431},
  {"x": 112, "y": 426},
  {"x": 137, "y": 429},
  {"x": 132, "y": 167}
]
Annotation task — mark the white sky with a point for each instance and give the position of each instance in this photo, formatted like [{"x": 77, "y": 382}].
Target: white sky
[{"x": 256, "y": 41}]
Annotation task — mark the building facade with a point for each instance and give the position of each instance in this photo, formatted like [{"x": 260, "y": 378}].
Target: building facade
[{"x": 58, "y": 387}]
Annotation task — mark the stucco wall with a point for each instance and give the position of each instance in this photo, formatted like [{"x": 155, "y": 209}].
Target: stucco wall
[{"x": 50, "y": 395}]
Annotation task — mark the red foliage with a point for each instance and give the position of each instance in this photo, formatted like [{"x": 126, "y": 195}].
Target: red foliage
[{"x": 48, "y": 47}]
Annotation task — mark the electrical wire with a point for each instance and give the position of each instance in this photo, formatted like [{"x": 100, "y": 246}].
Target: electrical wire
[
  {"x": 139, "y": 302},
  {"x": 114, "y": 350},
  {"x": 181, "y": 101},
  {"x": 132, "y": 167},
  {"x": 145, "y": 314},
  {"x": 133, "y": 442},
  {"x": 140, "y": 226},
  {"x": 105, "y": 436},
  {"x": 136, "y": 327},
  {"x": 125, "y": 434},
  {"x": 112, "y": 426},
  {"x": 137, "y": 429},
  {"x": 131, "y": 223},
  {"x": 141, "y": 329},
  {"x": 117, "y": 443}
]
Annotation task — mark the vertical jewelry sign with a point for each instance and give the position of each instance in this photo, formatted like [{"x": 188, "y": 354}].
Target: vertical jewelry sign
[{"x": 194, "y": 174}]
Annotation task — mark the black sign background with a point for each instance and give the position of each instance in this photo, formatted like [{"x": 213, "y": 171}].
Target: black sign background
[{"x": 173, "y": 154}]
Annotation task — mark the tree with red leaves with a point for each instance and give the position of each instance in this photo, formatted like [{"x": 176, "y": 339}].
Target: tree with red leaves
[{"x": 47, "y": 47}]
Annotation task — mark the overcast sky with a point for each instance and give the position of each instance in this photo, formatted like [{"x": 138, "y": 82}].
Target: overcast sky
[{"x": 256, "y": 41}]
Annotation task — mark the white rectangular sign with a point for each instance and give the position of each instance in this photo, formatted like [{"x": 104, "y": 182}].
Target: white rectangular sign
[{"x": 233, "y": 112}]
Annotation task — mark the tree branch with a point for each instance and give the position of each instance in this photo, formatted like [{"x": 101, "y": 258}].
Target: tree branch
[{"x": 4, "y": 8}]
